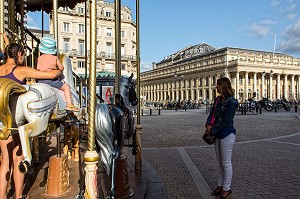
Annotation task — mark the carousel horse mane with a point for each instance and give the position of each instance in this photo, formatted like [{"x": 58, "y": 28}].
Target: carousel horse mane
[
  {"x": 8, "y": 87},
  {"x": 111, "y": 123}
]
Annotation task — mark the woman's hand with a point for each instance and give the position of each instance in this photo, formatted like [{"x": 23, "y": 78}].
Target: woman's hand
[
  {"x": 208, "y": 129},
  {"x": 56, "y": 73}
]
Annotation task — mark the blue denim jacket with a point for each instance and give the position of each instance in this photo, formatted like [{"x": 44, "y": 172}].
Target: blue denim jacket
[{"x": 224, "y": 113}]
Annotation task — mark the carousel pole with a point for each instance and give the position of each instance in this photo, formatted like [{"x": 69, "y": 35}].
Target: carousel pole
[
  {"x": 58, "y": 182},
  {"x": 91, "y": 156},
  {"x": 1, "y": 23},
  {"x": 117, "y": 46},
  {"x": 138, "y": 157}
]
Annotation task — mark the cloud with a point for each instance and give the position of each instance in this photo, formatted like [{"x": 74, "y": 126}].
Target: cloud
[
  {"x": 275, "y": 3},
  {"x": 31, "y": 23},
  {"x": 145, "y": 66},
  {"x": 291, "y": 40},
  {"x": 260, "y": 29}
]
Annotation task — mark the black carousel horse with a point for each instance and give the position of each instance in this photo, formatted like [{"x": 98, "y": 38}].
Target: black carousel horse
[{"x": 114, "y": 123}]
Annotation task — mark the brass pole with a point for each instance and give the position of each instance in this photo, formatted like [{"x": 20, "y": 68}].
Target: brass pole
[
  {"x": 55, "y": 22},
  {"x": 42, "y": 18},
  {"x": 138, "y": 157},
  {"x": 91, "y": 156},
  {"x": 117, "y": 46},
  {"x": 1, "y": 23},
  {"x": 12, "y": 13}
]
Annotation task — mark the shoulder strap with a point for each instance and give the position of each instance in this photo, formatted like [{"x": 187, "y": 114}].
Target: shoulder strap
[{"x": 14, "y": 68}]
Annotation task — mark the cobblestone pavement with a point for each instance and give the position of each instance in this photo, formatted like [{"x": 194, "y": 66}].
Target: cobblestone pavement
[{"x": 265, "y": 157}]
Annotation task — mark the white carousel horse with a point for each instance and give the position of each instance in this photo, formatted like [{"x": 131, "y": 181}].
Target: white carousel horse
[{"x": 32, "y": 106}]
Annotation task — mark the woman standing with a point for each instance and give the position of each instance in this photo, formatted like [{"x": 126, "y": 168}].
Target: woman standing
[
  {"x": 11, "y": 148},
  {"x": 220, "y": 124}
]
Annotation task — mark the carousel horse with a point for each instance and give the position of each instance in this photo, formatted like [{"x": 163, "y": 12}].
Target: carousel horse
[
  {"x": 32, "y": 107},
  {"x": 114, "y": 123}
]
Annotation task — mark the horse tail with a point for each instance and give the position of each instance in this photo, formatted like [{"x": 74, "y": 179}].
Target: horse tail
[
  {"x": 104, "y": 135},
  {"x": 8, "y": 87}
]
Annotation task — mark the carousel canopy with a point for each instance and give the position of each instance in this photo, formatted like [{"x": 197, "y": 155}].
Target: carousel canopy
[{"x": 36, "y": 5}]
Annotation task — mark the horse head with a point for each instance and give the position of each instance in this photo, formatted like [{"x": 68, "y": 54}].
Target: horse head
[{"x": 127, "y": 91}]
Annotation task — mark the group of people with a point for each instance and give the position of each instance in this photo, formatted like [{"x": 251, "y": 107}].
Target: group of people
[{"x": 49, "y": 70}]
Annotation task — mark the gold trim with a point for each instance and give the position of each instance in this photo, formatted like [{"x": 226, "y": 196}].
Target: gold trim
[
  {"x": 7, "y": 87},
  {"x": 91, "y": 159}
]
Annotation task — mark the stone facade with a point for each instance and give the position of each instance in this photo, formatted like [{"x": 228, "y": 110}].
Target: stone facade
[
  {"x": 71, "y": 32},
  {"x": 192, "y": 73}
]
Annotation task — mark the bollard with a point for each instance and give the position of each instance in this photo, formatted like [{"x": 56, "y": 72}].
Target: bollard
[
  {"x": 256, "y": 108},
  {"x": 142, "y": 112},
  {"x": 259, "y": 110},
  {"x": 296, "y": 108},
  {"x": 150, "y": 111},
  {"x": 275, "y": 109},
  {"x": 185, "y": 107},
  {"x": 158, "y": 111},
  {"x": 245, "y": 110}
]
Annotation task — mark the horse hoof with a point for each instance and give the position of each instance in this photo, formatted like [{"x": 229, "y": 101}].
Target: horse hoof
[{"x": 24, "y": 166}]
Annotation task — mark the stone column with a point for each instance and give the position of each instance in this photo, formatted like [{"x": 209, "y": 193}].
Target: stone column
[
  {"x": 271, "y": 87},
  {"x": 285, "y": 86},
  {"x": 255, "y": 84},
  {"x": 278, "y": 86},
  {"x": 246, "y": 87},
  {"x": 187, "y": 89},
  {"x": 237, "y": 84},
  {"x": 203, "y": 88},
  {"x": 293, "y": 87},
  {"x": 209, "y": 88},
  {"x": 263, "y": 85},
  {"x": 298, "y": 87},
  {"x": 197, "y": 89}
]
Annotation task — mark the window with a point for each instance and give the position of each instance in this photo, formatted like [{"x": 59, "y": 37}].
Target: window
[
  {"x": 109, "y": 32},
  {"x": 80, "y": 9},
  {"x": 98, "y": 30},
  {"x": 123, "y": 66},
  {"x": 81, "y": 47},
  {"x": 123, "y": 33},
  {"x": 122, "y": 50},
  {"x": 66, "y": 45},
  {"x": 108, "y": 48},
  {"x": 80, "y": 64},
  {"x": 65, "y": 8},
  {"x": 66, "y": 27},
  {"x": 80, "y": 28},
  {"x": 108, "y": 13},
  {"x": 109, "y": 66}
]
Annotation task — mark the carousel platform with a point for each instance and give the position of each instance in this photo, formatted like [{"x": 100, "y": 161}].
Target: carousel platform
[{"x": 146, "y": 184}]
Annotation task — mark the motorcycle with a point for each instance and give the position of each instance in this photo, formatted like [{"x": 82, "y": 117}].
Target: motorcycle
[
  {"x": 266, "y": 104},
  {"x": 282, "y": 103}
]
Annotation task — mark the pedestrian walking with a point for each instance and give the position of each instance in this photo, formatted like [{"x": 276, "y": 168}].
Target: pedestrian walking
[{"x": 220, "y": 124}]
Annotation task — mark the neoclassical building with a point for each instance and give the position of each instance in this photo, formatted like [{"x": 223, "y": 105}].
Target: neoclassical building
[{"x": 191, "y": 74}]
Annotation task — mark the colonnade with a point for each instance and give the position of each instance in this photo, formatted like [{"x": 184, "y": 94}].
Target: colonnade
[{"x": 273, "y": 85}]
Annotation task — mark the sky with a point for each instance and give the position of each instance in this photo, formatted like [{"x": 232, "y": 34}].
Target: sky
[{"x": 167, "y": 26}]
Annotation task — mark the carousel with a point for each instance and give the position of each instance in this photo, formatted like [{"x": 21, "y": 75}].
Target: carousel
[{"x": 92, "y": 153}]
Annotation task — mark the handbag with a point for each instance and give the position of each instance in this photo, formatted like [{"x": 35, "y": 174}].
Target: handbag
[{"x": 209, "y": 138}]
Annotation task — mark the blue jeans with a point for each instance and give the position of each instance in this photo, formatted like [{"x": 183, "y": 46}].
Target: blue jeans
[{"x": 223, "y": 148}]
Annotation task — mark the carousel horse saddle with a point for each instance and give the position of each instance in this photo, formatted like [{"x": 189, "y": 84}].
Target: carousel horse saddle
[{"x": 47, "y": 99}]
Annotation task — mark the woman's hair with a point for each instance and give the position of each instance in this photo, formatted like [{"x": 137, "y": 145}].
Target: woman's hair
[
  {"x": 12, "y": 51},
  {"x": 226, "y": 88}
]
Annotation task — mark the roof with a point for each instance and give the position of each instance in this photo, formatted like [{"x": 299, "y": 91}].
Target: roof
[
  {"x": 36, "y": 5},
  {"x": 102, "y": 74},
  {"x": 188, "y": 52}
]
